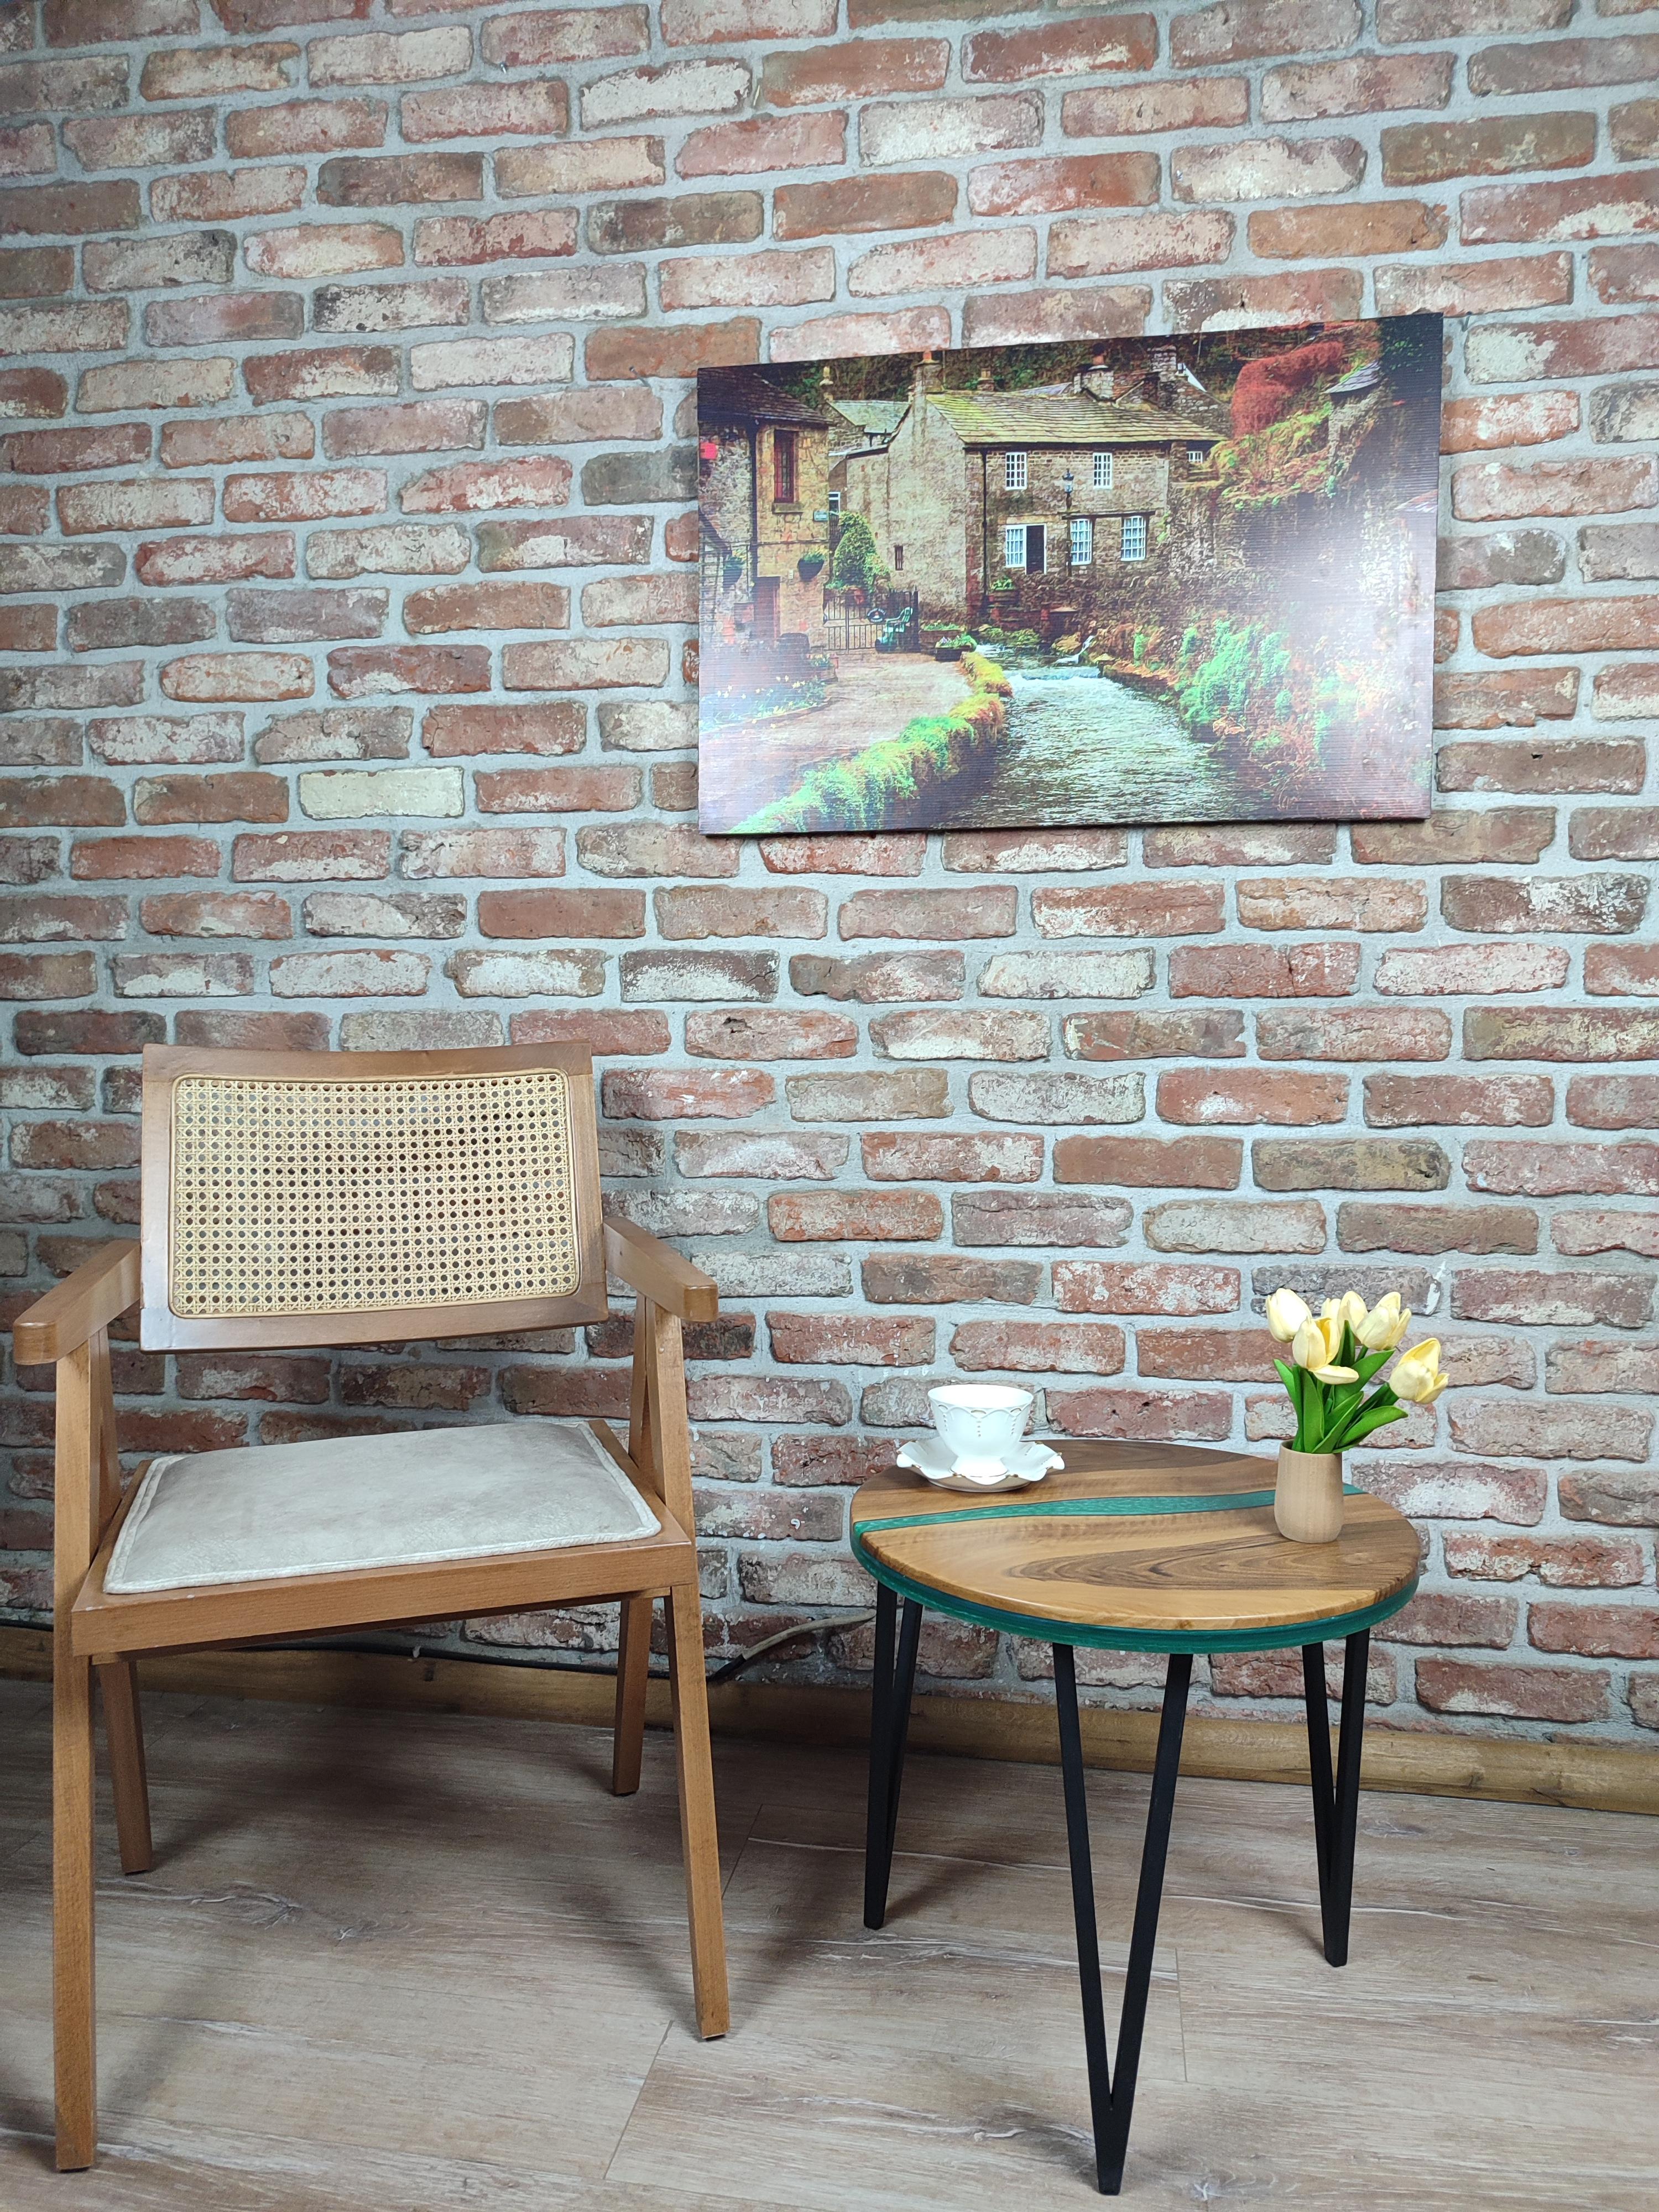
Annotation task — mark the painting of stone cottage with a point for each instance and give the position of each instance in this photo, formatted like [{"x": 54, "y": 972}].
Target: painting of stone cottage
[{"x": 1184, "y": 579}]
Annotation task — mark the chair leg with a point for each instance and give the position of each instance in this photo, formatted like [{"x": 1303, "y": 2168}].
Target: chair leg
[
  {"x": 632, "y": 1673},
  {"x": 123, "y": 1732},
  {"x": 698, "y": 1832},
  {"x": 73, "y": 2013}
]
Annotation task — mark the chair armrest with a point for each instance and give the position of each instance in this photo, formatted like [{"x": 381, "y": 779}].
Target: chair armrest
[
  {"x": 658, "y": 1273},
  {"x": 99, "y": 1290}
]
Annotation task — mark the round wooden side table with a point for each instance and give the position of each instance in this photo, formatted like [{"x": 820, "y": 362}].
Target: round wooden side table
[{"x": 1132, "y": 1548}]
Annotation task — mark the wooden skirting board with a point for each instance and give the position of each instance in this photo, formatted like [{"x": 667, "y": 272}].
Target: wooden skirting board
[{"x": 1598, "y": 1778}]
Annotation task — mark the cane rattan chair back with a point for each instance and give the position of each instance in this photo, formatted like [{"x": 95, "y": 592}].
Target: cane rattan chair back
[{"x": 339, "y": 1198}]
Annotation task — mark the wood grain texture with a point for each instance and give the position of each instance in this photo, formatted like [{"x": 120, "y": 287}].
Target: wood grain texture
[
  {"x": 418, "y": 1960},
  {"x": 1071, "y": 1559},
  {"x": 99, "y": 1290}
]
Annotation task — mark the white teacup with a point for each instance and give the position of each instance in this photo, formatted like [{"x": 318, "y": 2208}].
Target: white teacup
[{"x": 980, "y": 1422}]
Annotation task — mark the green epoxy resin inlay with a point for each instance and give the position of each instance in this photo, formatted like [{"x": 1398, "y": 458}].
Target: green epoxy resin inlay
[{"x": 1233, "y": 1501}]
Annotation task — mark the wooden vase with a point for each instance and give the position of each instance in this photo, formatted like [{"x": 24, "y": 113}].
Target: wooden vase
[{"x": 1308, "y": 1497}]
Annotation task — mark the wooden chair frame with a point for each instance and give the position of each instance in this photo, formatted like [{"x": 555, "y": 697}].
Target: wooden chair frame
[{"x": 97, "y": 1630}]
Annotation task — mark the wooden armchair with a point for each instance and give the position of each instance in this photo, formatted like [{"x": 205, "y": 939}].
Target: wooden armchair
[{"x": 351, "y": 1197}]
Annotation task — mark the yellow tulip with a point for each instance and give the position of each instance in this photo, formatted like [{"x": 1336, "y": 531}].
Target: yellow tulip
[
  {"x": 1385, "y": 1324},
  {"x": 1285, "y": 1315},
  {"x": 1349, "y": 1309},
  {"x": 1315, "y": 1345},
  {"x": 1417, "y": 1379}
]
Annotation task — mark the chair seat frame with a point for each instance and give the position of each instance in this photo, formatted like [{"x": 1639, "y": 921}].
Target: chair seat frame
[{"x": 102, "y": 1634}]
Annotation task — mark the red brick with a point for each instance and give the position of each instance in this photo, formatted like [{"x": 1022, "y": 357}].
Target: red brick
[
  {"x": 1509, "y": 418},
  {"x": 916, "y": 201},
  {"x": 1548, "y": 1171},
  {"x": 197, "y": 561},
  {"x": 1514, "y": 697},
  {"x": 248, "y": 797},
  {"x": 216, "y": 914},
  {"x": 1423, "y": 153},
  {"x": 1612, "y": 1631},
  {"x": 307, "y": 856},
  {"x": 322, "y": 372},
  {"x": 1509, "y": 352},
  {"x": 1320, "y": 234},
  {"x": 1607, "y": 1230},
  {"x": 796, "y": 1217},
  {"x": 1560, "y": 1299},
  {"x": 896, "y": 853},
  {"x": 1475, "y": 287},
  {"x": 1559, "y": 1562},
  {"x": 1601, "y": 905},
  {"x": 305, "y": 127},
  {"x": 1208, "y": 1033},
  {"x": 1099, "y": 245},
  {"x": 1364, "y": 1226},
  {"x": 988, "y": 911},
  {"x": 1209, "y": 1096},
  {"x": 949, "y": 1279},
  {"x": 1356, "y": 1034},
  {"x": 1311, "y": 903},
  {"x": 1613, "y": 1102},
  {"x": 1170, "y": 1163},
  {"x": 1561, "y": 1694},
  {"x": 1144, "y": 1287},
  {"x": 1543, "y": 765},
  {"x": 1409, "y": 1102},
  {"x": 1086, "y": 46},
  {"x": 304, "y": 498},
  {"x": 1160, "y": 1416},
  {"x": 904, "y": 1155},
  {"x": 1127, "y": 909},
  {"x": 79, "y": 801},
  {"x": 1488, "y": 491},
  {"x": 111, "y": 858},
  {"x": 832, "y": 75},
  {"x": 1626, "y": 1497},
  {"x": 533, "y": 107},
  {"x": 1038, "y": 1347},
  {"x": 1567, "y": 209},
  {"x": 1615, "y": 969},
  {"x": 236, "y": 438},
  {"x": 1264, "y": 971},
  {"x": 1135, "y": 111},
  {"x": 845, "y": 1340},
  {"x": 659, "y": 1095},
  {"x": 1561, "y": 1033},
  {"x": 760, "y": 145}
]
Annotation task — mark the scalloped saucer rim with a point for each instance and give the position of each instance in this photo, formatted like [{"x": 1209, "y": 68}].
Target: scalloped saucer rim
[{"x": 1025, "y": 1462}]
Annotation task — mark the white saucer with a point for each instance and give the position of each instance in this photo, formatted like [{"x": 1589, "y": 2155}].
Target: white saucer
[{"x": 1022, "y": 1463}]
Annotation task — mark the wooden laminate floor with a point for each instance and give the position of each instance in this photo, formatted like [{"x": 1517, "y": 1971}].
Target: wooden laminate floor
[{"x": 399, "y": 1963}]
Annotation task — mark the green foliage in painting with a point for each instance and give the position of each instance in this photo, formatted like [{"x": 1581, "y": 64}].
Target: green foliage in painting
[
  {"x": 886, "y": 783},
  {"x": 857, "y": 563}
]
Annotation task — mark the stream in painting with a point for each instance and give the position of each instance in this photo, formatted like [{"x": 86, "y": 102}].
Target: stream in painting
[{"x": 1084, "y": 748}]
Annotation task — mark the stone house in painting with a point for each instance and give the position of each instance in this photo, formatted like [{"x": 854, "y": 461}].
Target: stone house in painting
[
  {"x": 764, "y": 502},
  {"x": 1043, "y": 509}
]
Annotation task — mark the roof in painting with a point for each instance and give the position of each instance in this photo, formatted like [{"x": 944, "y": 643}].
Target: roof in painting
[
  {"x": 1067, "y": 418},
  {"x": 877, "y": 417},
  {"x": 749, "y": 393}
]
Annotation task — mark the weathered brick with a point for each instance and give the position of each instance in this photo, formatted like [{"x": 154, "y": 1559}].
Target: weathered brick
[
  {"x": 1235, "y": 1225},
  {"x": 1363, "y": 1227},
  {"x": 902, "y": 1156},
  {"x": 1560, "y": 1299},
  {"x": 1212, "y": 1096},
  {"x": 1423, "y": 153},
  {"x": 1601, "y": 904}
]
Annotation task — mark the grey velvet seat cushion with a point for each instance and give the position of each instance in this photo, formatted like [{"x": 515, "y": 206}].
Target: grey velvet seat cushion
[{"x": 271, "y": 1510}]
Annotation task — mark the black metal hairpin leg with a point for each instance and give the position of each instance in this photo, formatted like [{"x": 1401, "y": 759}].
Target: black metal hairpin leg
[
  {"x": 1336, "y": 1806},
  {"x": 891, "y": 1686},
  {"x": 1111, "y": 2102}
]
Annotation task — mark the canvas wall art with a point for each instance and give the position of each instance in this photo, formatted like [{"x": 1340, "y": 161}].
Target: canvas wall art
[{"x": 1172, "y": 580}]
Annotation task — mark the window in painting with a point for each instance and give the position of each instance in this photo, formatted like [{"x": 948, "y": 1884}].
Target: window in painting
[
  {"x": 1083, "y": 541},
  {"x": 898, "y": 558},
  {"x": 1134, "y": 538},
  {"x": 1013, "y": 471},
  {"x": 834, "y": 506},
  {"x": 1194, "y": 457},
  {"x": 1014, "y": 545},
  {"x": 1102, "y": 472},
  {"x": 783, "y": 467}
]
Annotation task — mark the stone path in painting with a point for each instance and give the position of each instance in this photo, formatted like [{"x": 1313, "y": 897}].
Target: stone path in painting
[{"x": 742, "y": 769}]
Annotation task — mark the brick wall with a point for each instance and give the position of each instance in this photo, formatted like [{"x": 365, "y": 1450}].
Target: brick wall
[{"x": 348, "y": 691}]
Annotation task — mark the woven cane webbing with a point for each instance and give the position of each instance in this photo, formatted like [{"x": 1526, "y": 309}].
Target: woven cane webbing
[{"x": 311, "y": 1197}]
